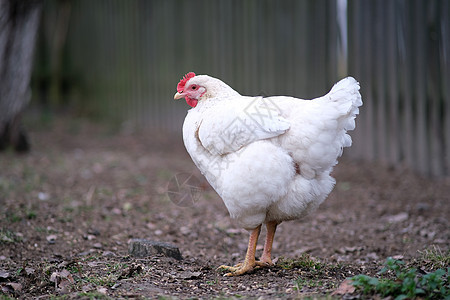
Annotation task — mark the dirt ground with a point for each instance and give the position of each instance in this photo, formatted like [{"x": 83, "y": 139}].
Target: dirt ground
[{"x": 70, "y": 207}]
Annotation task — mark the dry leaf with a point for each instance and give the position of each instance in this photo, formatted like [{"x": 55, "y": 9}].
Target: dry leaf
[
  {"x": 346, "y": 287},
  {"x": 63, "y": 280},
  {"x": 29, "y": 271},
  {"x": 11, "y": 287}
]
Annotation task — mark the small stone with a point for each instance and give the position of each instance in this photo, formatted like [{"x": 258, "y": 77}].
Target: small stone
[
  {"x": 97, "y": 246},
  {"x": 144, "y": 248},
  {"x": 4, "y": 274},
  {"x": 116, "y": 211},
  {"x": 84, "y": 253},
  {"x": 372, "y": 256},
  {"x": 93, "y": 231},
  {"x": 422, "y": 207},
  {"x": 43, "y": 196},
  {"x": 108, "y": 254},
  {"x": 185, "y": 230},
  {"x": 398, "y": 218},
  {"x": 190, "y": 275},
  {"x": 51, "y": 239},
  {"x": 89, "y": 237}
]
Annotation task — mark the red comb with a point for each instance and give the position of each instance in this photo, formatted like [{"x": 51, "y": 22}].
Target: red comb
[{"x": 182, "y": 83}]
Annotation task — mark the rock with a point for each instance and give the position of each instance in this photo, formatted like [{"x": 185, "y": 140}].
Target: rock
[
  {"x": 144, "y": 248},
  {"x": 190, "y": 275},
  {"x": 4, "y": 274}
]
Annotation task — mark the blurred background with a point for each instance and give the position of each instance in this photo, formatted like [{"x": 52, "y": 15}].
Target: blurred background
[{"x": 120, "y": 61}]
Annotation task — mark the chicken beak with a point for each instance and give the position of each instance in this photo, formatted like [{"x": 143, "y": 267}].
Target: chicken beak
[{"x": 178, "y": 96}]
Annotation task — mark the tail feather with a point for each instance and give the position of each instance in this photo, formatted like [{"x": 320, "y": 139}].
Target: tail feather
[{"x": 346, "y": 94}]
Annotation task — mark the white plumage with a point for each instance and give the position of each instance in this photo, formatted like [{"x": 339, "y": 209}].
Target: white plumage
[{"x": 268, "y": 158}]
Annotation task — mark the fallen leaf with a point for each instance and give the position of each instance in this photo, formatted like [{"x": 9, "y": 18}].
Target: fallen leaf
[
  {"x": 15, "y": 287},
  {"x": 63, "y": 280},
  {"x": 29, "y": 271},
  {"x": 87, "y": 288},
  {"x": 130, "y": 271},
  {"x": 346, "y": 287}
]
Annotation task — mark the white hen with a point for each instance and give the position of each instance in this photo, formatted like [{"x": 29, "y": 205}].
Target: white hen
[{"x": 268, "y": 158}]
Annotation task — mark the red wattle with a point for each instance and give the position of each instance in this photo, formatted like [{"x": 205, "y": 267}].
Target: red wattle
[{"x": 191, "y": 102}]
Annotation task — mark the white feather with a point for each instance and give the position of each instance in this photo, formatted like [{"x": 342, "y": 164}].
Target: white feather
[{"x": 250, "y": 148}]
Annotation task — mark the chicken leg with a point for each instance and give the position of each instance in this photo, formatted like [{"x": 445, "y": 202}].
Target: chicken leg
[
  {"x": 266, "y": 258},
  {"x": 250, "y": 262}
]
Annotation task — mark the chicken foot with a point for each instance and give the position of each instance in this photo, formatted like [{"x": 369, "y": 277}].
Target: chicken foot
[{"x": 250, "y": 263}]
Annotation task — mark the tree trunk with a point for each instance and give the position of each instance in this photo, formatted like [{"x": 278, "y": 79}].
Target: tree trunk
[{"x": 19, "y": 22}]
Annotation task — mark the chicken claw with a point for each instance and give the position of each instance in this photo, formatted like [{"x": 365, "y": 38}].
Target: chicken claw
[
  {"x": 239, "y": 269},
  {"x": 249, "y": 263}
]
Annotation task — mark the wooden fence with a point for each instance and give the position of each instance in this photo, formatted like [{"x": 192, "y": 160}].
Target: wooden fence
[
  {"x": 400, "y": 51},
  {"x": 122, "y": 60}
]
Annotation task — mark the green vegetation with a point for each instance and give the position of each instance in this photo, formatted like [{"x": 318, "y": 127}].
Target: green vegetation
[
  {"x": 300, "y": 282},
  {"x": 7, "y": 236},
  {"x": 304, "y": 262},
  {"x": 433, "y": 258},
  {"x": 403, "y": 283}
]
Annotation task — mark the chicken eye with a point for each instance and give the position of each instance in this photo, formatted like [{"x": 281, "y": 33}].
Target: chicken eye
[{"x": 194, "y": 87}]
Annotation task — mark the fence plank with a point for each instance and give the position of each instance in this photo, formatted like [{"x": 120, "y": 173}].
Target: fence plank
[{"x": 445, "y": 78}]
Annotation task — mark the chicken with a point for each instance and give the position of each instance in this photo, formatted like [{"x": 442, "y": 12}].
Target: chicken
[{"x": 268, "y": 158}]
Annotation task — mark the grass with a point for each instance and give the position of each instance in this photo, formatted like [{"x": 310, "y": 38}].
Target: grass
[
  {"x": 396, "y": 280},
  {"x": 7, "y": 236},
  {"x": 434, "y": 258},
  {"x": 301, "y": 282},
  {"x": 304, "y": 262}
]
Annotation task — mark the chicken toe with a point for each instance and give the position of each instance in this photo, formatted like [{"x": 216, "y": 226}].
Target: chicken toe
[{"x": 249, "y": 263}]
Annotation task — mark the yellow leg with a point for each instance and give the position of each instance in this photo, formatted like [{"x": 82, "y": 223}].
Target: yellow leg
[
  {"x": 249, "y": 263},
  {"x": 266, "y": 258}
]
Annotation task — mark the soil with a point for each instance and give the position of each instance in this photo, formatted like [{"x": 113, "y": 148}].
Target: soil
[{"x": 70, "y": 207}]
